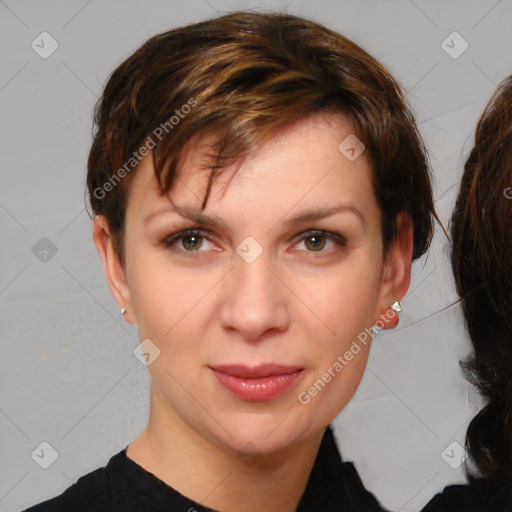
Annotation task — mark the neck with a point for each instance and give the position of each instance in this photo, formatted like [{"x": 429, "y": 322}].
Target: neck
[{"x": 214, "y": 475}]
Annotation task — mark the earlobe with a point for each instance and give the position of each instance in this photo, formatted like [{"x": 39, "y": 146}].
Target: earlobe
[
  {"x": 114, "y": 271},
  {"x": 396, "y": 276}
]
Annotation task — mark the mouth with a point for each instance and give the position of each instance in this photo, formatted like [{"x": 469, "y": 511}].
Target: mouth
[{"x": 258, "y": 383}]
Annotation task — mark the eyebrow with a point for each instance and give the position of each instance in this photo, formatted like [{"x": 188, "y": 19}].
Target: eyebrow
[
  {"x": 185, "y": 211},
  {"x": 322, "y": 213},
  {"x": 306, "y": 216}
]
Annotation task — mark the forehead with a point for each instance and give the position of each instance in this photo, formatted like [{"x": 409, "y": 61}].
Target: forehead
[{"x": 303, "y": 163}]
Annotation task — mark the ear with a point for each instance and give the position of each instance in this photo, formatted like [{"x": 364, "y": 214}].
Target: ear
[
  {"x": 396, "y": 274},
  {"x": 114, "y": 270}
]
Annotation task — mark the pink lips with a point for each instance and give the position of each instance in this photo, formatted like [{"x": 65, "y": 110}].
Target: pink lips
[{"x": 258, "y": 383}]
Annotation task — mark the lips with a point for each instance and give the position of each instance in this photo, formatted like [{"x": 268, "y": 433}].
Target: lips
[
  {"x": 257, "y": 383},
  {"x": 264, "y": 370}
]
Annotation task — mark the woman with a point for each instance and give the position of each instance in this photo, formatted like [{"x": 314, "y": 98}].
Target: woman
[
  {"x": 255, "y": 310},
  {"x": 482, "y": 265}
]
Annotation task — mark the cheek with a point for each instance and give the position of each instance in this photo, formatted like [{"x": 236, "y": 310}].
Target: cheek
[
  {"x": 340, "y": 345},
  {"x": 345, "y": 300},
  {"x": 160, "y": 297}
]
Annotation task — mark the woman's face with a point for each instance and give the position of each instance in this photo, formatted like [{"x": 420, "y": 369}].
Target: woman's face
[{"x": 288, "y": 271}]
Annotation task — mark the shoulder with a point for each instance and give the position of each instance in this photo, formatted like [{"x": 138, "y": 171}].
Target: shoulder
[
  {"x": 453, "y": 498},
  {"x": 90, "y": 492},
  {"x": 478, "y": 496}
]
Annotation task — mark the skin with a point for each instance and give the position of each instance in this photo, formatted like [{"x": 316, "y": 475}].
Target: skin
[{"x": 299, "y": 303}]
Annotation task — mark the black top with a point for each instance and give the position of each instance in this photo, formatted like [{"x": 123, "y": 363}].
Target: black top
[
  {"x": 479, "y": 496},
  {"x": 125, "y": 486}
]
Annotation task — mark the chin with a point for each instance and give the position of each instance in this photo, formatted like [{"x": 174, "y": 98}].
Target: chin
[{"x": 260, "y": 433}]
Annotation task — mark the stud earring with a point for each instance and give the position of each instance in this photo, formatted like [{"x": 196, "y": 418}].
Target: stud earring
[
  {"x": 123, "y": 311},
  {"x": 396, "y": 306}
]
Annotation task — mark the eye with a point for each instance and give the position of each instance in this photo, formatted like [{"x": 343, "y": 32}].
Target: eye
[
  {"x": 315, "y": 241},
  {"x": 193, "y": 240},
  {"x": 190, "y": 240}
]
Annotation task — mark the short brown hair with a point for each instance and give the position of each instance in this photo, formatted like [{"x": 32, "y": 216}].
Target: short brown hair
[{"x": 248, "y": 75}]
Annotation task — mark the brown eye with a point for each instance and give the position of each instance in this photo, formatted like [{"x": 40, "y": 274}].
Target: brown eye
[
  {"x": 318, "y": 241},
  {"x": 188, "y": 241},
  {"x": 315, "y": 242},
  {"x": 191, "y": 242}
]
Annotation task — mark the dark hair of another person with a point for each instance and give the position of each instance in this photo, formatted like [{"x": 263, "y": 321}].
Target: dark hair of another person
[
  {"x": 482, "y": 264},
  {"x": 249, "y": 75}
]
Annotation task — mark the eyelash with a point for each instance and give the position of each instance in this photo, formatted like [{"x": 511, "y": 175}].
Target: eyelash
[{"x": 170, "y": 241}]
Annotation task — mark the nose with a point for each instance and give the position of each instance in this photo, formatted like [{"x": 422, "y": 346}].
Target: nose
[{"x": 255, "y": 300}]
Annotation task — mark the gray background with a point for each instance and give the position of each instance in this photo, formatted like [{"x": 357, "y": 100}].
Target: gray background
[{"x": 68, "y": 374}]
